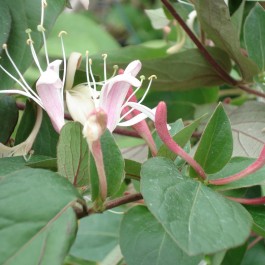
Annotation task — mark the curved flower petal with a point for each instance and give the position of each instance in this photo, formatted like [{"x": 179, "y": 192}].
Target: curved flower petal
[
  {"x": 113, "y": 95},
  {"x": 49, "y": 88},
  {"x": 79, "y": 103},
  {"x": 133, "y": 68},
  {"x": 145, "y": 113}
]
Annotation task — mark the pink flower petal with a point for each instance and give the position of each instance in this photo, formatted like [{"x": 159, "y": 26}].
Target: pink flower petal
[
  {"x": 133, "y": 68},
  {"x": 113, "y": 95},
  {"x": 49, "y": 88}
]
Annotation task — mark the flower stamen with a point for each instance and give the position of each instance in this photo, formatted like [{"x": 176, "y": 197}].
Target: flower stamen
[
  {"x": 33, "y": 52},
  {"x": 25, "y": 85},
  {"x": 105, "y": 66},
  {"x": 60, "y": 35}
]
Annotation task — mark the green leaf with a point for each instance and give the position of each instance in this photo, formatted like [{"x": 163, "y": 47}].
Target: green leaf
[
  {"x": 90, "y": 35},
  {"x": 255, "y": 255},
  {"x": 235, "y": 165},
  {"x": 235, "y": 255},
  {"x": 11, "y": 164},
  {"x": 215, "y": 20},
  {"x": 97, "y": 236},
  {"x": 132, "y": 169},
  {"x": 182, "y": 71},
  {"x": 45, "y": 163},
  {"x": 248, "y": 122},
  {"x": 254, "y": 33},
  {"x": 72, "y": 153},
  {"x": 237, "y": 18},
  {"x": 181, "y": 138},
  {"x": 216, "y": 144},
  {"x": 158, "y": 18},
  {"x": 9, "y": 117},
  {"x": 19, "y": 15},
  {"x": 190, "y": 212},
  {"x": 258, "y": 214},
  {"x": 144, "y": 241},
  {"x": 113, "y": 164},
  {"x": 47, "y": 138},
  {"x": 37, "y": 223}
]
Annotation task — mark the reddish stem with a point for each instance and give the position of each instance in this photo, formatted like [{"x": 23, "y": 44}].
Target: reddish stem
[
  {"x": 252, "y": 201},
  {"x": 244, "y": 173},
  {"x": 161, "y": 127}
]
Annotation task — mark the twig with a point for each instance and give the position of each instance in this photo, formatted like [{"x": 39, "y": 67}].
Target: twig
[{"x": 110, "y": 204}]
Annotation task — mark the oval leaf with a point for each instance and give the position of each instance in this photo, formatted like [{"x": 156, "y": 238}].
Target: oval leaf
[
  {"x": 72, "y": 153},
  {"x": 144, "y": 241},
  {"x": 37, "y": 223},
  {"x": 216, "y": 144},
  {"x": 190, "y": 212}
]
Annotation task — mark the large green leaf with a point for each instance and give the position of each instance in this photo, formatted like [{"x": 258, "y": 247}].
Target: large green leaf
[
  {"x": 113, "y": 164},
  {"x": 216, "y": 144},
  {"x": 37, "y": 223},
  {"x": 190, "y": 212},
  {"x": 90, "y": 36},
  {"x": 9, "y": 117},
  {"x": 17, "y": 16},
  {"x": 47, "y": 138},
  {"x": 97, "y": 236},
  {"x": 72, "y": 153},
  {"x": 235, "y": 165},
  {"x": 182, "y": 71},
  {"x": 254, "y": 33},
  {"x": 144, "y": 241},
  {"x": 216, "y": 21}
]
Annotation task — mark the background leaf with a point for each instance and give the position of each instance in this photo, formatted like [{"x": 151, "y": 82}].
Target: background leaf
[
  {"x": 215, "y": 20},
  {"x": 47, "y": 138},
  {"x": 9, "y": 117},
  {"x": 37, "y": 225},
  {"x": 182, "y": 71},
  {"x": 144, "y": 241},
  {"x": 21, "y": 15},
  {"x": 254, "y": 34},
  {"x": 72, "y": 153},
  {"x": 248, "y": 122},
  {"x": 190, "y": 212}
]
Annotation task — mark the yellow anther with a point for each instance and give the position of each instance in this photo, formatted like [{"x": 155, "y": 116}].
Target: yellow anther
[
  {"x": 142, "y": 77},
  {"x": 87, "y": 52},
  {"x": 115, "y": 67},
  {"x": 44, "y": 3},
  {"x": 30, "y": 41},
  {"x": 152, "y": 77},
  {"x": 104, "y": 55},
  {"x": 4, "y": 46},
  {"x": 90, "y": 61},
  {"x": 28, "y": 31},
  {"x": 62, "y": 33},
  {"x": 40, "y": 28}
]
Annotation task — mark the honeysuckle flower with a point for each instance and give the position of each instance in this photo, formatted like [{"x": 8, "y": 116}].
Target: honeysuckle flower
[
  {"x": 49, "y": 86},
  {"x": 84, "y": 98}
]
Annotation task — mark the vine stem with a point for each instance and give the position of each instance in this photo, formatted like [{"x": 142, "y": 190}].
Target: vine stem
[
  {"x": 110, "y": 204},
  {"x": 225, "y": 76},
  {"x": 222, "y": 73}
]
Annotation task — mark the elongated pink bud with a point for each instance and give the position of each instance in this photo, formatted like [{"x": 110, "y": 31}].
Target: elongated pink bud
[
  {"x": 259, "y": 163},
  {"x": 161, "y": 127}
]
